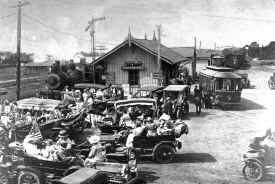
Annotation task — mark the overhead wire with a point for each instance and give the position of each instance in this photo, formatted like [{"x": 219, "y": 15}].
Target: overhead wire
[
  {"x": 7, "y": 16},
  {"x": 35, "y": 19},
  {"x": 228, "y": 17}
]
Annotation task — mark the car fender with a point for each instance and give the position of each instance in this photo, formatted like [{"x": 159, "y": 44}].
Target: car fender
[
  {"x": 21, "y": 167},
  {"x": 249, "y": 160},
  {"x": 72, "y": 168}
]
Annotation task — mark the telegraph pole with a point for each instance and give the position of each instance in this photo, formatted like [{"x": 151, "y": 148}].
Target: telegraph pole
[
  {"x": 18, "y": 66},
  {"x": 159, "y": 60},
  {"x": 194, "y": 59},
  {"x": 91, "y": 27}
]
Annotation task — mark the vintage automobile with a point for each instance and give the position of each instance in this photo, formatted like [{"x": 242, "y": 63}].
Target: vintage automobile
[
  {"x": 259, "y": 159},
  {"x": 49, "y": 128},
  {"x": 149, "y": 92},
  {"x": 175, "y": 92},
  {"x": 18, "y": 167},
  {"x": 109, "y": 122},
  {"x": 36, "y": 106},
  {"x": 97, "y": 176},
  {"x": 161, "y": 148},
  {"x": 222, "y": 85}
]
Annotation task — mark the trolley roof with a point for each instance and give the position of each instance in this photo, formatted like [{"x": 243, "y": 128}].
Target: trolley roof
[
  {"x": 220, "y": 74},
  {"x": 220, "y": 68}
]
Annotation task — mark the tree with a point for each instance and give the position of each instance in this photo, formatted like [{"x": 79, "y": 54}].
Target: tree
[{"x": 254, "y": 50}]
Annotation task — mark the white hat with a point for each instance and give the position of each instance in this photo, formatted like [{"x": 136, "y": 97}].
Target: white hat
[
  {"x": 164, "y": 117},
  {"x": 94, "y": 139}
]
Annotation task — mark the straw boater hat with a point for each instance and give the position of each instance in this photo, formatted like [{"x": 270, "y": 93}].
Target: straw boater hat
[{"x": 94, "y": 139}]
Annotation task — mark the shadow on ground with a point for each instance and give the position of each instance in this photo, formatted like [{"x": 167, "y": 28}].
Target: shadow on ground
[
  {"x": 194, "y": 158},
  {"x": 184, "y": 158},
  {"x": 248, "y": 105},
  {"x": 148, "y": 176},
  {"x": 194, "y": 114}
]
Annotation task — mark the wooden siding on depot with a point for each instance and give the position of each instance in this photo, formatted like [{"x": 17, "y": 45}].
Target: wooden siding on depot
[{"x": 118, "y": 59}]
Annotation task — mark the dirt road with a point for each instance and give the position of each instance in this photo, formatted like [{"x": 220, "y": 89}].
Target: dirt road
[{"x": 213, "y": 149}]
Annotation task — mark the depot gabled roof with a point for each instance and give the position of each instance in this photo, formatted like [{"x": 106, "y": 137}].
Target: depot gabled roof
[{"x": 150, "y": 46}]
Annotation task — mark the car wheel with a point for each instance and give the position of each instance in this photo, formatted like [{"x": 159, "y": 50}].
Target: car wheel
[
  {"x": 253, "y": 171},
  {"x": 164, "y": 153},
  {"x": 4, "y": 177},
  {"x": 29, "y": 176}
]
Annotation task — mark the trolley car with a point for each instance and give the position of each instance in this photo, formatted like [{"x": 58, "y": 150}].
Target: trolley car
[{"x": 222, "y": 85}]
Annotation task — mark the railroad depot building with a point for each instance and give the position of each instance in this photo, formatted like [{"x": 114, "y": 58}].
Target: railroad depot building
[{"x": 134, "y": 63}]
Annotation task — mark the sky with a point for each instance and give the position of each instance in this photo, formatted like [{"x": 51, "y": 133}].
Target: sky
[{"x": 57, "y": 27}]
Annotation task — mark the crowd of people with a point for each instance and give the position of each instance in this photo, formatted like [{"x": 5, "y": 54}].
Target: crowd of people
[
  {"x": 91, "y": 94},
  {"x": 140, "y": 120}
]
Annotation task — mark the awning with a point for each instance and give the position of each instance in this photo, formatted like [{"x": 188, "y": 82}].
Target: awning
[
  {"x": 37, "y": 104},
  {"x": 133, "y": 68},
  {"x": 218, "y": 74}
]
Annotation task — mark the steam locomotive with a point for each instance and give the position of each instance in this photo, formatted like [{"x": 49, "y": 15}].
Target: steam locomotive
[{"x": 68, "y": 74}]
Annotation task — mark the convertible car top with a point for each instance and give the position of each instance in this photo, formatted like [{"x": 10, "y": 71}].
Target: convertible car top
[{"x": 37, "y": 104}]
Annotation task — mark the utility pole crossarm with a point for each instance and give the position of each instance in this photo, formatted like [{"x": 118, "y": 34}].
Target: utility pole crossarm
[{"x": 91, "y": 27}]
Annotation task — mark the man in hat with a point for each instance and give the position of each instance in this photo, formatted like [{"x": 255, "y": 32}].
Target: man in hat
[
  {"x": 97, "y": 152},
  {"x": 163, "y": 124},
  {"x": 168, "y": 106},
  {"x": 64, "y": 141},
  {"x": 85, "y": 95},
  {"x": 137, "y": 131},
  {"x": 151, "y": 127},
  {"x": 99, "y": 94}
]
